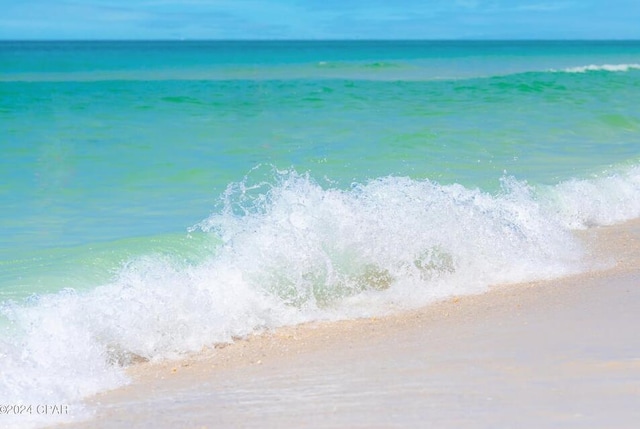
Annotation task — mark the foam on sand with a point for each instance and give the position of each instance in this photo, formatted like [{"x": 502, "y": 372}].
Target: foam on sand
[{"x": 533, "y": 355}]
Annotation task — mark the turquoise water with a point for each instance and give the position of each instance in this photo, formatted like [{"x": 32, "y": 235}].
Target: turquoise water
[{"x": 161, "y": 196}]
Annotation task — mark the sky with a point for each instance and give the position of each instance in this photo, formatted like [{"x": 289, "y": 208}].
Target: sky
[{"x": 319, "y": 19}]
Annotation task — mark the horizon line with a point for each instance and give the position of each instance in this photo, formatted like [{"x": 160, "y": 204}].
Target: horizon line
[{"x": 177, "y": 40}]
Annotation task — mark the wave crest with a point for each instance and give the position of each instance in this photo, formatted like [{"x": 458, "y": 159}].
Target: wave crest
[{"x": 614, "y": 68}]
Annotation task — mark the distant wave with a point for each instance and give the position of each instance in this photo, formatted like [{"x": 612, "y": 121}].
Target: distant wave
[
  {"x": 604, "y": 67},
  {"x": 377, "y": 71}
]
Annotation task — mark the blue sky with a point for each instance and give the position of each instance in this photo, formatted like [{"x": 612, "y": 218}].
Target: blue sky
[{"x": 320, "y": 19}]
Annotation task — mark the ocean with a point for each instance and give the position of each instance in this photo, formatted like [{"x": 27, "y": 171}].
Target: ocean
[{"x": 161, "y": 197}]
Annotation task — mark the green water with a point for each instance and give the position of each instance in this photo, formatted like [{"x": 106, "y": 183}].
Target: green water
[{"x": 108, "y": 144}]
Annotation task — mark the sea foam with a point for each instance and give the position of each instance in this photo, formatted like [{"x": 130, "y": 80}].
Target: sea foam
[
  {"x": 603, "y": 67},
  {"x": 293, "y": 250}
]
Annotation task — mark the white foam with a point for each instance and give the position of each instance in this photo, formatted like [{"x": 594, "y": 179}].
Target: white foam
[
  {"x": 294, "y": 251},
  {"x": 604, "y": 200},
  {"x": 604, "y": 67}
]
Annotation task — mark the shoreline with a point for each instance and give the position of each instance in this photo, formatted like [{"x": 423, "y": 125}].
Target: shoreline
[{"x": 547, "y": 353}]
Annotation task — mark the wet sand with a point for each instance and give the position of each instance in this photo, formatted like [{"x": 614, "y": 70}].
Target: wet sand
[{"x": 561, "y": 353}]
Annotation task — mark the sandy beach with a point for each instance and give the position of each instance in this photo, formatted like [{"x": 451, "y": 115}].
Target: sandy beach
[{"x": 562, "y": 353}]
